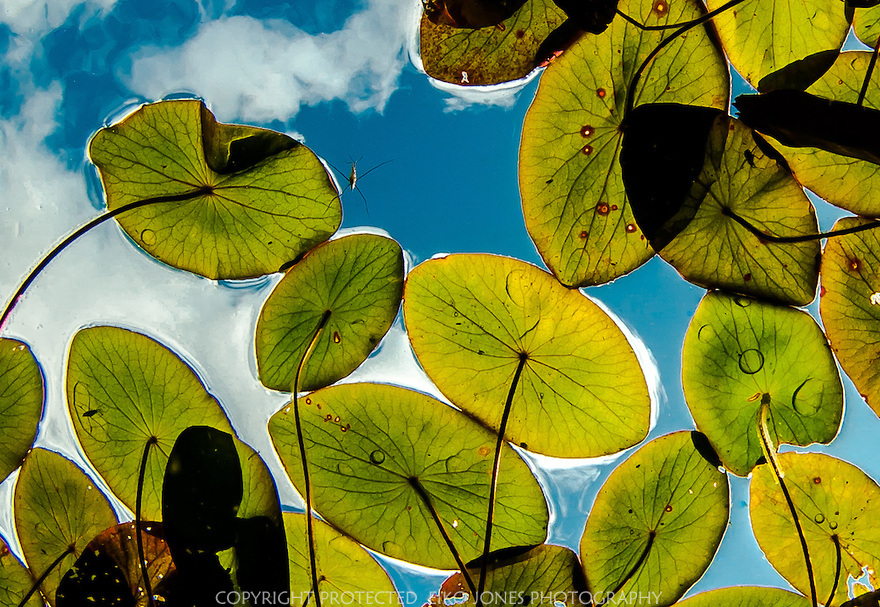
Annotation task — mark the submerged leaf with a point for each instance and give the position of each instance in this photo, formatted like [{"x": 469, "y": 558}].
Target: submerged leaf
[
  {"x": 358, "y": 280},
  {"x": 473, "y": 318},
  {"x": 379, "y": 455},
  {"x": 712, "y": 249},
  {"x": 57, "y": 509},
  {"x": 837, "y": 505},
  {"x": 347, "y": 574},
  {"x": 470, "y": 13},
  {"x": 489, "y": 55},
  {"x": 244, "y": 201},
  {"x": 656, "y": 523},
  {"x": 21, "y": 403},
  {"x": 850, "y": 305},
  {"x": 739, "y": 354},
  {"x": 575, "y": 207},
  {"x": 124, "y": 389}
]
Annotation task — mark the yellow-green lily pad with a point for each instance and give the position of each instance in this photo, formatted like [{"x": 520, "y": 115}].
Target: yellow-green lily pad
[
  {"x": 21, "y": 403},
  {"x": 15, "y": 581},
  {"x": 746, "y": 596}
]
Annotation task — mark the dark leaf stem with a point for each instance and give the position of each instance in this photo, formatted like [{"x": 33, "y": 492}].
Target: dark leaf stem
[
  {"x": 502, "y": 429},
  {"x": 310, "y": 531},
  {"x": 138, "y": 522},
  {"x": 654, "y": 28},
  {"x": 43, "y": 577},
  {"x": 426, "y": 499},
  {"x": 632, "y": 571},
  {"x": 870, "y": 71},
  {"x": 836, "y": 541},
  {"x": 86, "y": 228},
  {"x": 728, "y": 212},
  {"x": 631, "y": 90},
  {"x": 770, "y": 455}
]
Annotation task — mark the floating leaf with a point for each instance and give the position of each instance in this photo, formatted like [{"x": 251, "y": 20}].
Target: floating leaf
[
  {"x": 471, "y": 318},
  {"x": 244, "y": 201},
  {"x": 714, "y": 250},
  {"x": 489, "y": 55},
  {"x": 836, "y": 504},
  {"x": 762, "y": 36},
  {"x": 740, "y": 353},
  {"x": 850, "y": 305},
  {"x": 746, "y": 596},
  {"x": 657, "y": 521},
  {"x": 57, "y": 510},
  {"x": 573, "y": 196},
  {"x": 845, "y": 181},
  {"x": 347, "y": 574},
  {"x": 866, "y": 24},
  {"x": 358, "y": 280},
  {"x": 471, "y": 13},
  {"x": 124, "y": 389},
  {"x": 523, "y": 576},
  {"x": 21, "y": 403},
  {"x": 379, "y": 454},
  {"x": 15, "y": 581}
]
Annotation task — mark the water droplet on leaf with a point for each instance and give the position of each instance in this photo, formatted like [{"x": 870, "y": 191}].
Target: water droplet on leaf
[
  {"x": 484, "y": 451},
  {"x": 743, "y": 302},
  {"x": 669, "y": 508},
  {"x": 148, "y": 237},
  {"x": 819, "y": 518},
  {"x": 833, "y": 525},
  {"x": 751, "y": 361},
  {"x": 377, "y": 456}
]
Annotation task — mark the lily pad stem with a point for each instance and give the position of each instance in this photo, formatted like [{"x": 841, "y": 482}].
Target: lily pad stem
[
  {"x": 770, "y": 455},
  {"x": 426, "y": 499},
  {"x": 728, "y": 212},
  {"x": 873, "y": 62},
  {"x": 138, "y": 522},
  {"x": 43, "y": 577},
  {"x": 654, "y": 28},
  {"x": 310, "y": 531},
  {"x": 82, "y": 230},
  {"x": 836, "y": 541},
  {"x": 632, "y": 571},
  {"x": 502, "y": 429},
  {"x": 631, "y": 90}
]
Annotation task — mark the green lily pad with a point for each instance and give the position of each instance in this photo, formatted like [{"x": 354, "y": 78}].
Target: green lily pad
[
  {"x": 850, "y": 305},
  {"x": 575, "y": 207},
  {"x": 762, "y": 36},
  {"x": 347, "y": 574},
  {"x": 836, "y": 503},
  {"x": 841, "y": 180},
  {"x": 243, "y": 201},
  {"x": 123, "y": 389},
  {"x": 21, "y": 403},
  {"x": 488, "y": 55},
  {"x": 714, "y": 250},
  {"x": 866, "y": 23},
  {"x": 537, "y": 575},
  {"x": 15, "y": 581},
  {"x": 57, "y": 509},
  {"x": 359, "y": 281},
  {"x": 739, "y": 353},
  {"x": 376, "y": 453},
  {"x": 656, "y": 522},
  {"x": 746, "y": 596},
  {"x": 581, "y": 393}
]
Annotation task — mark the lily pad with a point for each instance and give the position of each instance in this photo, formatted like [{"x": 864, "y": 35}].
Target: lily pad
[
  {"x": 656, "y": 522},
  {"x": 236, "y": 201},
  {"x": 575, "y": 207},
  {"x": 471, "y": 318},
  {"x": 837, "y": 505},
  {"x": 347, "y": 574},
  {"x": 746, "y": 596},
  {"x": 850, "y": 305},
  {"x": 715, "y": 250},
  {"x": 841, "y": 180},
  {"x": 15, "y": 581},
  {"x": 488, "y": 55},
  {"x": 378, "y": 455},
  {"x": 740, "y": 353},
  {"x": 358, "y": 281},
  {"x": 762, "y": 36},
  {"x": 523, "y": 576},
  {"x": 57, "y": 510},
  {"x": 866, "y": 23},
  {"x": 21, "y": 403},
  {"x": 124, "y": 389}
]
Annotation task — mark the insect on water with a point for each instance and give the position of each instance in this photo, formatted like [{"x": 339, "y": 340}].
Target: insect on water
[{"x": 353, "y": 178}]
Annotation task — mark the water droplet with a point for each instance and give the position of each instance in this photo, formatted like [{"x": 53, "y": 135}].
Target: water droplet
[
  {"x": 715, "y": 484},
  {"x": 600, "y": 93},
  {"x": 308, "y": 401},
  {"x": 345, "y": 428},
  {"x": 587, "y": 130},
  {"x": 743, "y": 302},
  {"x": 807, "y": 397},
  {"x": 336, "y": 419},
  {"x": 336, "y": 337},
  {"x": 630, "y": 228},
  {"x": 669, "y": 508},
  {"x": 587, "y": 150},
  {"x": 377, "y": 456},
  {"x": 602, "y": 208},
  {"x": 690, "y": 491},
  {"x": 819, "y": 518},
  {"x": 751, "y": 361},
  {"x": 148, "y": 237},
  {"x": 855, "y": 264},
  {"x": 455, "y": 524},
  {"x": 833, "y": 525},
  {"x": 286, "y": 410},
  {"x": 706, "y": 333},
  {"x": 328, "y": 417}
]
